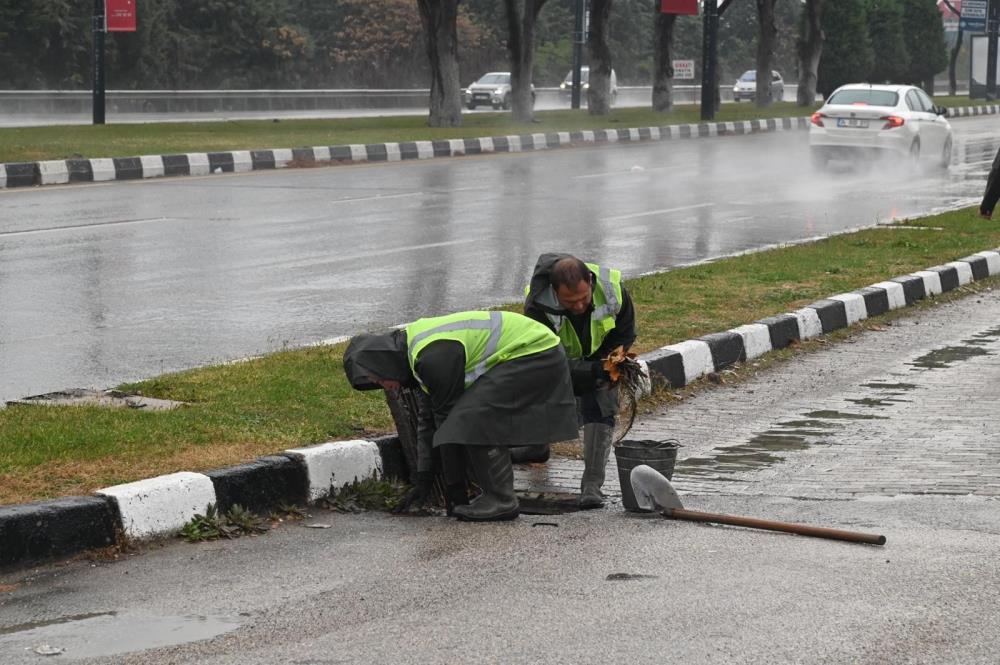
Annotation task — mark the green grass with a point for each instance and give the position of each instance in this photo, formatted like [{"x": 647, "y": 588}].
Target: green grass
[
  {"x": 301, "y": 397},
  {"x": 28, "y": 144}
]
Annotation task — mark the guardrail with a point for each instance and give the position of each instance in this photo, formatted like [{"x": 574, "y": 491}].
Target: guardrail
[{"x": 208, "y": 101}]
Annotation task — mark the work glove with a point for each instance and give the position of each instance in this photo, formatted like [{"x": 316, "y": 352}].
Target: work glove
[
  {"x": 599, "y": 373},
  {"x": 418, "y": 495}
]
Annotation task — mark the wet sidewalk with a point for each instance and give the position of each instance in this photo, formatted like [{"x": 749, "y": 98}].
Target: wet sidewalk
[{"x": 905, "y": 410}]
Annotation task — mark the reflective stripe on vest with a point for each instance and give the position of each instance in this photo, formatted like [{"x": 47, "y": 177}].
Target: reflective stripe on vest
[
  {"x": 524, "y": 338},
  {"x": 611, "y": 306}
]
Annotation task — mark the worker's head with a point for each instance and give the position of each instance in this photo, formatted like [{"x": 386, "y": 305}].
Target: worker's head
[
  {"x": 573, "y": 284},
  {"x": 378, "y": 360}
]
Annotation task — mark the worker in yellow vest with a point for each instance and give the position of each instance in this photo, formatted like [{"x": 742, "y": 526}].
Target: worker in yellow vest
[
  {"x": 487, "y": 380},
  {"x": 588, "y": 308}
]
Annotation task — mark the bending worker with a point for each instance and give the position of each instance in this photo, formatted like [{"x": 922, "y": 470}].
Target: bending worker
[
  {"x": 992, "y": 193},
  {"x": 488, "y": 380},
  {"x": 590, "y": 311}
]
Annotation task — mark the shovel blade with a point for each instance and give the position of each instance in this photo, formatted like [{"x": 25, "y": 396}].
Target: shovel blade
[{"x": 652, "y": 489}]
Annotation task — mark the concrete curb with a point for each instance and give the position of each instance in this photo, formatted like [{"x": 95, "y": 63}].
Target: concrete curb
[
  {"x": 158, "y": 507},
  {"x": 64, "y": 171}
]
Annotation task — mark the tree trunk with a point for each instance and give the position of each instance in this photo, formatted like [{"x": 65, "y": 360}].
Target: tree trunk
[
  {"x": 952, "y": 80},
  {"x": 599, "y": 92},
  {"x": 767, "y": 32},
  {"x": 663, "y": 69},
  {"x": 439, "y": 18},
  {"x": 521, "y": 18},
  {"x": 810, "y": 48}
]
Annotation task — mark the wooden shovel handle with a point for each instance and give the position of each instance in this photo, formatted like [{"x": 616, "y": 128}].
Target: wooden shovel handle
[{"x": 771, "y": 525}]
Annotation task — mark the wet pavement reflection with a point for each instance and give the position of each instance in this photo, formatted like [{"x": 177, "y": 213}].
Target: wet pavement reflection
[
  {"x": 106, "y": 283},
  {"x": 109, "y": 633}
]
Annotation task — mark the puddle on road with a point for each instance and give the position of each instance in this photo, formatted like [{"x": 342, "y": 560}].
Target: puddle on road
[
  {"x": 844, "y": 415},
  {"x": 109, "y": 633},
  {"x": 890, "y": 386},
  {"x": 758, "y": 452},
  {"x": 875, "y": 402},
  {"x": 948, "y": 355}
]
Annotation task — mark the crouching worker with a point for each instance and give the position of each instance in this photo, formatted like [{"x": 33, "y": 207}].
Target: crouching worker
[
  {"x": 592, "y": 313},
  {"x": 488, "y": 380}
]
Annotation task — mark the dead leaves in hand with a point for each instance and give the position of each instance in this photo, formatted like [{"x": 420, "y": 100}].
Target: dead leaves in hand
[{"x": 623, "y": 368}]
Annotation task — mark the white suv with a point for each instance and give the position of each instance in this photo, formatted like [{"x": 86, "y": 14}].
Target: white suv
[{"x": 491, "y": 89}]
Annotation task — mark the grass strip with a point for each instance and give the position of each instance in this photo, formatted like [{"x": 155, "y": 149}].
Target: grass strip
[
  {"x": 300, "y": 397},
  {"x": 31, "y": 144}
]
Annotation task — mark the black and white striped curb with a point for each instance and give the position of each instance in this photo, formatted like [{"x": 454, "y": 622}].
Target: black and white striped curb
[
  {"x": 687, "y": 361},
  {"x": 63, "y": 171},
  {"x": 967, "y": 111},
  {"x": 160, "y": 506}
]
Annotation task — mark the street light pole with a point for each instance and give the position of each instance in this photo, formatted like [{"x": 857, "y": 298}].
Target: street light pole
[
  {"x": 992, "y": 33},
  {"x": 98, "y": 62},
  {"x": 578, "y": 39},
  {"x": 709, "y": 58}
]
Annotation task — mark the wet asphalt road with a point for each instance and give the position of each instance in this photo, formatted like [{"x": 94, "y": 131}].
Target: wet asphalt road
[
  {"x": 104, "y": 283},
  {"x": 920, "y": 467}
]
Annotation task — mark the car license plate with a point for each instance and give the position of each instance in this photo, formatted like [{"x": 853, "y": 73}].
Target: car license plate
[{"x": 852, "y": 122}]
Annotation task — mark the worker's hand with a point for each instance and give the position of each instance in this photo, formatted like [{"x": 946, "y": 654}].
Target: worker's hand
[
  {"x": 418, "y": 495},
  {"x": 599, "y": 373}
]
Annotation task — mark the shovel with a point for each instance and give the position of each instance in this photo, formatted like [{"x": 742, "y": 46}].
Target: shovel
[{"x": 654, "y": 491}]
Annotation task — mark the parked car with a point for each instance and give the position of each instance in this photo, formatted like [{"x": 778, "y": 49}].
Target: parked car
[
  {"x": 493, "y": 89},
  {"x": 566, "y": 87},
  {"x": 864, "y": 119},
  {"x": 746, "y": 86}
]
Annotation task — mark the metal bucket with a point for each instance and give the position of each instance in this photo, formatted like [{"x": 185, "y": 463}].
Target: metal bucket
[{"x": 659, "y": 455}]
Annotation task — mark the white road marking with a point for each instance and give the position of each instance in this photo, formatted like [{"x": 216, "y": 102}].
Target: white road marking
[
  {"x": 76, "y": 227},
  {"x": 662, "y": 211}
]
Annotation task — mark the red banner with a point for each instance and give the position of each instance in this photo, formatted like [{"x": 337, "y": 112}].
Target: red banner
[
  {"x": 120, "y": 15},
  {"x": 686, "y": 7}
]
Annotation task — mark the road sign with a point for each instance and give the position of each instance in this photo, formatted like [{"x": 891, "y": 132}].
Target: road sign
[
  {"x": 120, "y": 15},
  {"x": 685, "y": 7},
  {"x": 974, "y": 15},
  {"x": 683, "y": 69}
]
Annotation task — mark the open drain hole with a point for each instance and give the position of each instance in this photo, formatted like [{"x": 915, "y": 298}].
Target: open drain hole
[{"x": 548, "y": 503}]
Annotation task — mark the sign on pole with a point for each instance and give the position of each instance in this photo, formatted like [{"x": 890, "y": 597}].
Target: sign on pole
[
  {"x": 683, "y": 69},
  {"x": 973, "y": 17},
  {"x": 684, "y": 7},
  {"x": 120, "y": 15}
]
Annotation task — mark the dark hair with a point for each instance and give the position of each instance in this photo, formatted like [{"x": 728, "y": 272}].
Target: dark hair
[{"x": 569, "y": 271}]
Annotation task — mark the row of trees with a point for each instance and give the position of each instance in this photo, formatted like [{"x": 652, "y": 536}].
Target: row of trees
[
  {"x": 236, "y": 44},
  {"x": 184, "y": 44},
  {"x": 901, "y": 41}
]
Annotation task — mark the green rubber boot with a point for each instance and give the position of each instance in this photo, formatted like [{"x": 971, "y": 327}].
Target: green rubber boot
[
  {"x": 596, "y": 450},
  {"x": 495, "y": 476}
]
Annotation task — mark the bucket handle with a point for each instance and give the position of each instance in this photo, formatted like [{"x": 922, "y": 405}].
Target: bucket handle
[{"x": 665, "y": 443}]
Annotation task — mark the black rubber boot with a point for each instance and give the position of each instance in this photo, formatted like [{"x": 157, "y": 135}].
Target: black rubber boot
[
  {"x": 455, "y": 495},
  {"x": 526, "y": 454},
  {"x": 496, "y": 478}
]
